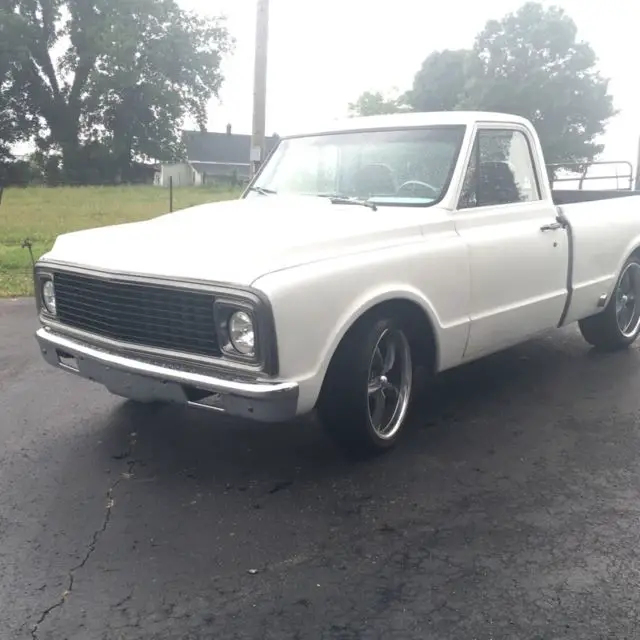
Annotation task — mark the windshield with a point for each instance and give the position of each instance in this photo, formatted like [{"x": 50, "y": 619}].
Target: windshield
[{"x": 396, "y": 167}]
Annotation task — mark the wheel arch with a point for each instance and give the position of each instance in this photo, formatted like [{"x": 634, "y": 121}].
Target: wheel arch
[
  {"x": 421, "y": 322},
  {"x": 602, "y": 330},
  {"x": 632, "y": 249}
]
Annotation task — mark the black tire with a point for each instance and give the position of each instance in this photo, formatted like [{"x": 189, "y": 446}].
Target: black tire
[
  {"x": 604, "y": 330},
  {"x": 344, "y": 406}
]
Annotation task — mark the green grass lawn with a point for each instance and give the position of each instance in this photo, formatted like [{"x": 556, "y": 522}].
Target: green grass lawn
[{"x": 40, "y": 214}]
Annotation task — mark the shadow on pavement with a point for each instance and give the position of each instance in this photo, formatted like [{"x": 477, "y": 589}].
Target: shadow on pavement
[{"x": 502, "y": 392}]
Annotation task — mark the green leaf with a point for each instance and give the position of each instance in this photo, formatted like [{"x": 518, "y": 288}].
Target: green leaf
[
  {"x": 530, "y": 63},
  {"x": 106, "y": 82}
]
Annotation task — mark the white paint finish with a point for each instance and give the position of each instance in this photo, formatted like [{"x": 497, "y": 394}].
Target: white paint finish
[
  {"x": 274, "y": 233},
  {"x": 518, "y": 273},
  {"x": 605, "y": 233},
  {"x": 315, "y": 305},
  {"x": 410, "y": 120}
]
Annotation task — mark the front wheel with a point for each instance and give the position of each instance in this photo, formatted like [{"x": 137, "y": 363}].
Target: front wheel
[
  {"x": 365, "y": 398},
  {"x": 618, "y": 325}
]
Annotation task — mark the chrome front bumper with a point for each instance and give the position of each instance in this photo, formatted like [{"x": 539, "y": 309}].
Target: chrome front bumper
[{"x": 147, "y": 382}]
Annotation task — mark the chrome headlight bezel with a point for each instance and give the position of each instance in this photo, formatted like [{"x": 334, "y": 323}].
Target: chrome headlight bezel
[
  {"x": 224, "y": 310},
  {"x": 43, "y": 280}
]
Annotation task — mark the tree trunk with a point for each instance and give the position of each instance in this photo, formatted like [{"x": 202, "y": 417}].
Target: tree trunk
[
  {"x": 72, "y": 166},
  {"x": 64, "y": 125}
]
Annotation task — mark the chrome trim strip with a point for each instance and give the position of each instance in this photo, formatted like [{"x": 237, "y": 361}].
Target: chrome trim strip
[
  {"x": 219, "y": 288},
  {"x": 131, "y": 349},
  {"x": 258, "y": 390}
]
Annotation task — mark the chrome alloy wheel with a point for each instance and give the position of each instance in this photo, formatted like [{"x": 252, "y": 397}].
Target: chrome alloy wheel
[
  {"x": 390, "y": 378},
  {"x": 627, "y": 298}
]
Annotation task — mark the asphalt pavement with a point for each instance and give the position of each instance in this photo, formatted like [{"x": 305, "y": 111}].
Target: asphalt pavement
[{"x": 510, "y": 510}]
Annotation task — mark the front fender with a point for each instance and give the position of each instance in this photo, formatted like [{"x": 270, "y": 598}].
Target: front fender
[
  {"x": 371, "y": 298},
  {"x": 315, "y": 305}
]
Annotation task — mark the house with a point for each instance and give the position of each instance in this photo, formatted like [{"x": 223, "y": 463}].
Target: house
[{"x": 211, "y": 158}]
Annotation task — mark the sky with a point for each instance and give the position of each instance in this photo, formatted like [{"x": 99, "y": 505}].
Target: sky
[{"x": 323, "y": 55}]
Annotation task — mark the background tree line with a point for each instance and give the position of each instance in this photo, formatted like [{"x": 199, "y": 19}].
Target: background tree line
[
  {"x": 530, "y": 64},
  {"x": 102, "y": 86}
]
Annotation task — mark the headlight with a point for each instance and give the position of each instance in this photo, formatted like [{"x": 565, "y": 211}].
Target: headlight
[
  {"x": 241, "y": 333},
  {"x": 49, "y": 297}
]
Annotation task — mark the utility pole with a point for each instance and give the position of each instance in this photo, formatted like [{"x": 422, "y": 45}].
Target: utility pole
[{"x": 260, "y": 86}]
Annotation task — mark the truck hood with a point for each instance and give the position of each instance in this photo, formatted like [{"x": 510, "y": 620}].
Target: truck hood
[{"x": 238, "y": 241}]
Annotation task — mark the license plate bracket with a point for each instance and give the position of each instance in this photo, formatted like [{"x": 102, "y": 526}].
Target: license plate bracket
[{"x": 132, "y": 385}]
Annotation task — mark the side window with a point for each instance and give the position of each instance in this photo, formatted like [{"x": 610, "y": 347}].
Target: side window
[
  {"x": 468, "y": 198},
  {"x": 500, "y": 171}
]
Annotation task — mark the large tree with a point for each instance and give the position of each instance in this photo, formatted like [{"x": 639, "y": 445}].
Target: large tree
[
  {"x": 15, "y": 121},
  {"x": 531, "y": 64},
  {"x": 375, "y": 103},
  {"x": 116, "y": 75},
  {"x": 441, "y": 82}
]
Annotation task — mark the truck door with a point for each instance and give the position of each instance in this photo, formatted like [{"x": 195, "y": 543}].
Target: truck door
[{"x": 518, "y": 254}]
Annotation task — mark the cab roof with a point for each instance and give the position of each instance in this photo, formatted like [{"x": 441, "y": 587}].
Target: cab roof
[{"x": 410, "y": 120}]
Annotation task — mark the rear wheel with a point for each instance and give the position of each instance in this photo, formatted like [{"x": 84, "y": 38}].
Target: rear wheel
[
  {"x": 618, "y": 325},
  {"x": 365, "y": 398}
]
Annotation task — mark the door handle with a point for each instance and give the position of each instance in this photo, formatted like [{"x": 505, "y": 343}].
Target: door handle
[{"x": 554, "y": 226}]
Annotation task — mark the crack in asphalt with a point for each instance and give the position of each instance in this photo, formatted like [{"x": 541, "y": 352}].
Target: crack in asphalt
[{"x": 92, "y": 545}]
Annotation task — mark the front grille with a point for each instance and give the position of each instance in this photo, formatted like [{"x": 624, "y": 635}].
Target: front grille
[{"x": 142, "y": 314}]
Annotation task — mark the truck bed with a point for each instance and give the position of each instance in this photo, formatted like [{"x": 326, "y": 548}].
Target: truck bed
[
  {"x": 571, "y": 196},
  {"x": 602, "y": 235}
]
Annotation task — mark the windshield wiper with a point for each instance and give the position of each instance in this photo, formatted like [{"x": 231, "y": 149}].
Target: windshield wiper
[
  {"x": 338, "y": 199},
  {"x": 263, "y": 191}
]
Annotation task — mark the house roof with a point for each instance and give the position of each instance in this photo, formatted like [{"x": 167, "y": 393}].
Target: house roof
[{"x": 231, "y": 148}]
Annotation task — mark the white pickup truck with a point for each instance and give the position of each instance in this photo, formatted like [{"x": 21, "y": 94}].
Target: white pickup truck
[{"x": 358, "y": 252}]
